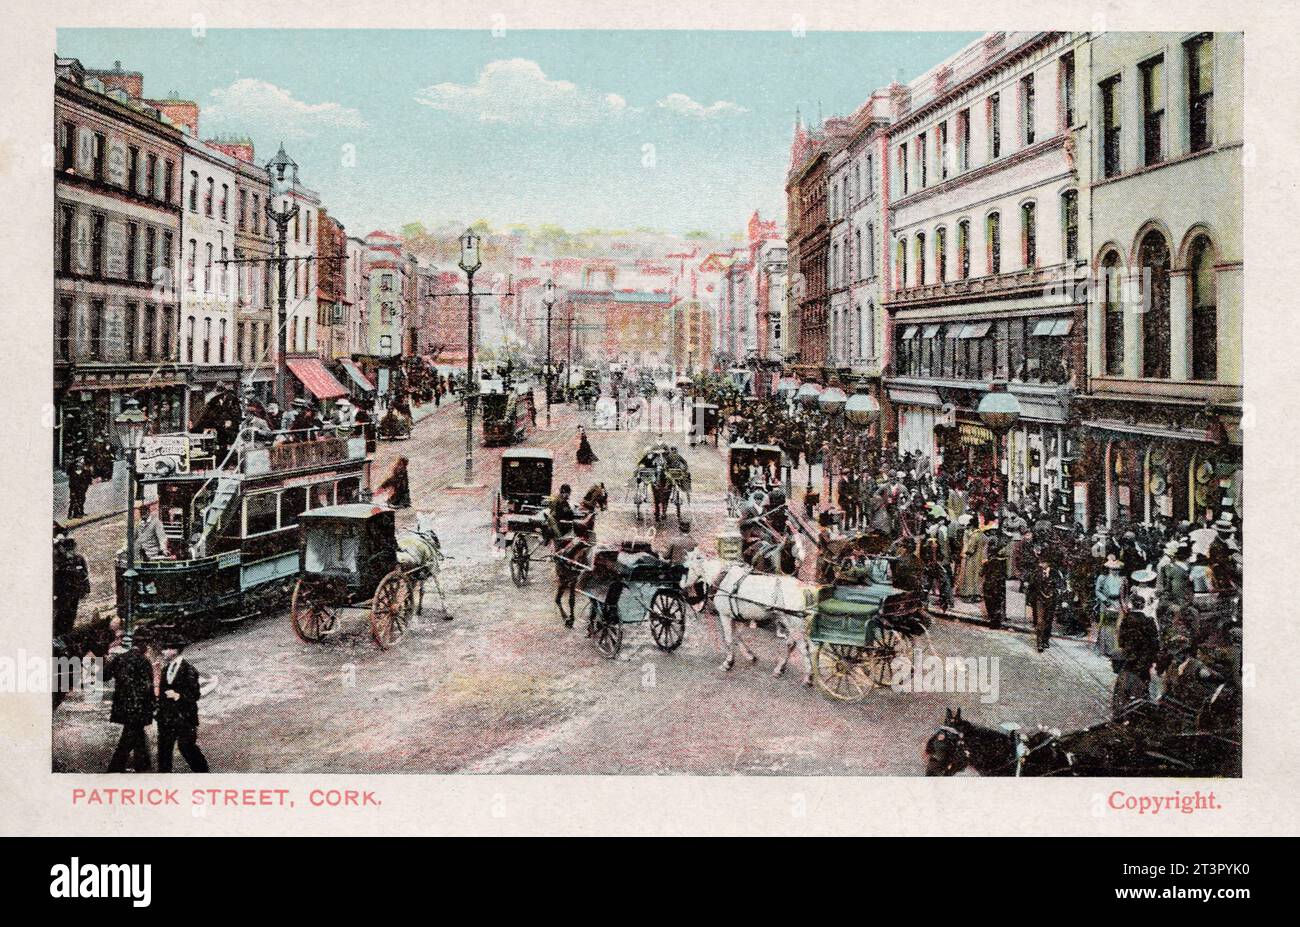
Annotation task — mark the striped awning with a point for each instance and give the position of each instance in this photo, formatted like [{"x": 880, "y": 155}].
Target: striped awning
[
  {"x": 313, "y": 375},
  {"x": 356, "y": 375}
]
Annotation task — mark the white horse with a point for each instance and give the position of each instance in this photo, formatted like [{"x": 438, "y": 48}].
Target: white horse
[
  {"x": 740, "y": 594},
  {"x": 419, "y": 550}
]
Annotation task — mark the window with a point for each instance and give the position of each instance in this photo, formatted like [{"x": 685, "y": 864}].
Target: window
[
  {"x": 259, "y": 513},
  {"x": 101, "y": 152},
  {"x": 243, "y": 210},
  {"x": 920, "y": 259},
  {"x": 1200, "y": 91},
  {"x": 871, "y": 177},
  {"x": 295, "y": 227},
  {"x": 150, "y": 253},
  {"x": 857, "y": 253},
  {"x": 1028, "y": 235},
  {"x": 70, "y": 146},
  {"x": 189, "y": 341},
  {"x": 921, "y": 159},
  {"x": 167, "y": 260},
  {"x": 1110, "y": 126},
  {"x": 225, "y": 201},
  {"x": 309, "y": 226},
  {"x": 1067, "y": 89},
  {"x": 902, "y": 167},
  {"x": 128, "y": 329},
  {"x": 63, "y": 329},
  {"x": 1113, "y": 311},
  {"x": 150, "y": 326},
  {"x": 963, "y": 249},
  {"x": 132, "y": 233},
  {"x": 240, "y": 331},
  {"x": 995, "y": 126},
  {"x": 1204, "y": 299},
  {"x": 225, "y": 271},
  {"x": 993, "y": 230},
  {"x": 97, "y": 329},
  {"x": 871, "y": 250},
  {"x": 221, "y": 355},
  {"x": 167, "y": 333},
  {"x": 209, "y": 196},
  {"x": 940, "y": 254},
  {"x": 963, "y": 140},
  {"x": 385, "y": 344},
  {"x": 944, "y": 158},
  {"x": 167, "y": 182},
  {"x": 133, "y": 169},
  {"x": 207, "y": 340},
  {"x": 65, "y": 239},
  {"x": 151, "y": 176},
  {"x": 1070, "y": 223},
  {"x": 194, "y": 191},
  {"x": 1153, "y": 109},
  {"x": 1027, "y": 109},
  {"x": 835, "y": 259},
  {"x": 97, "y": 247},
  {"x": 207, "y": 268},
  {"x": 901, "y": 265},
  {"x": 1154, "y": 259},
  {"x": 257, "y": 214}
]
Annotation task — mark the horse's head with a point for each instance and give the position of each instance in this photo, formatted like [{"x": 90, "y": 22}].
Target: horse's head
[
  {"x": 696, "y": 568},
  {"x": 946, "y": 752}
]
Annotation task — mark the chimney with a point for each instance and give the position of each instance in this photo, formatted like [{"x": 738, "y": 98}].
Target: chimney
[
  {"x": 130, "y": 82},
  {"x": 184, "y": 113}
]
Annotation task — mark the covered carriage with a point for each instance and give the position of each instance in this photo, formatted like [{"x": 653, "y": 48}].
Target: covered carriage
[
  {"x": 519, "y": 517},
  {"x": 751, "y": 467},
  {"x": 633, "y": 586}
]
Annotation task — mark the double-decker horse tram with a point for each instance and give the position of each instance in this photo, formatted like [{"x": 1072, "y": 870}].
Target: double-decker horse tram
[
  {"x": 519, "y": 520},
  {"x": 751, "y": 467},
  {"x": 229, "y": 521}
]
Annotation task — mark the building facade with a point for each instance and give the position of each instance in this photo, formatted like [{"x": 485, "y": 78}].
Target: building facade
[
  {"x": 1162, "y": 417},
  {"x": 117, "y": 204}
]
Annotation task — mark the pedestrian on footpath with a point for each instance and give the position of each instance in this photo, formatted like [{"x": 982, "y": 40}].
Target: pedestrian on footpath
[
  {"x": 71, "y": 583},
  {"x": 993, "y": 578},
  {"x": 398, "y": 485},
  {"x": 1110, "y": 591},
  {"x": 133, "y": 702},
  {"x": 178, "y": 710},
  {"x": 1045, "y": 594},
  {"x": 80, "y": 479},
  {"x": 586, "y": 456}
]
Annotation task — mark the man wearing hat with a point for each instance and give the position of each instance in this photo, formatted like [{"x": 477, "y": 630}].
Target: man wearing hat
[
  {"x": 1174, "y": 579},
  {"x": 71, "y": 583},
  {"x": 133, "y": 702},
  {"x": 1045, "y": 593},
  {"x": 678, "y": 542},
  {"x": 993, "y": 575},
  {"x": 178, "y": 709},
  {"x": 1139, "y": 646},
  {"x": 80, "y": 478}
]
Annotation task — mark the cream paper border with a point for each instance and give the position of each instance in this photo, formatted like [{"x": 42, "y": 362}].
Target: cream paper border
[{"x": 34, "y": 801}]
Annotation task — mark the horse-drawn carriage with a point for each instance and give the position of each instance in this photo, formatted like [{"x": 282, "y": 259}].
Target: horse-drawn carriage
[
  {"x": 863, "y": 638},
  {"x": 751, "y": 467},
  {"x": 704, "y": 424},
  {"x": 350, "y": 557},
  {"x": 507, "y": 416},
  {"x": 663, "y": 479},
  {"x": 633, "y": 586},
  {"x": 519, "y": 510}
]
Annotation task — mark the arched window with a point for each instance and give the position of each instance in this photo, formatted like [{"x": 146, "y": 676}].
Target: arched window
[
  {"x": 871, "y": 250},
  {"x": 940, "y": 255},
  {"x": 1028, "y": 235},
  {"x": 869, "y": 332},
  {"x": 963, "y": 249},
  {"x": 857, "y": 253},
  {"x": 1203, "y": 301},
  {"x": 1113, "y": 314},
  {"x": 1153, "y": 258},
  {"x": 857, "y": 325},
  {"x": 920, "y": 258},
  {"x": 901, "y": 264},
  {"x": 1070, "y": 223},
  {"x": 993, "y": 230}
]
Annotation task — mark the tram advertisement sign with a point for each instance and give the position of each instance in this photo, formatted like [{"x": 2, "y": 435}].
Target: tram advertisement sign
[{"x": 162, "y": 454}]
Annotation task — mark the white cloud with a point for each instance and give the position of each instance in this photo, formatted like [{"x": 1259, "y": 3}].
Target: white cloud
[
  {"x": 683, "y": 105},
  {"x": 249, "y": 101},
  {"x": 516, "y": 90}
]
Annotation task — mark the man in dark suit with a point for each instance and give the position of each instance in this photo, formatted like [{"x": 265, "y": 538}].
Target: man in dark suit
[
  {"x": 1045, "y": 592},
  {"x": 178, "y": 710},
  {"x": 993, "y": 581},
  {"x": 133, "y": 702}
]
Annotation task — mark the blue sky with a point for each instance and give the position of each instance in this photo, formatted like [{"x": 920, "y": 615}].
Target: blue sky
[{"x": 526, "y": 127}]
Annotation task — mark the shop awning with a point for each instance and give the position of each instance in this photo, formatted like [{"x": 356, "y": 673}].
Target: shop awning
[
  {"x": 1045, "y": 328},
  {"x": 975, "y": 329},
  {"x": 911, "y": 332},
  {"x": 1149, "y": 430},
  {"x": 931, "y": 331},
  {"x": 313, "y": 375},
  {"x": 356, "y": 375}
]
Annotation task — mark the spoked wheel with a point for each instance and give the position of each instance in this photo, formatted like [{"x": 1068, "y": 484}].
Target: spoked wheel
[
  {"x": 840, "y": 672},
  {"x": 311, "y": 611},
  {"x": 391, "y": 610},
  {"x": 520, "y": 560},
  {"x": 892, "y": 645},
  {"x": 667, "y": 619},
  {"x": 606, "y": 630}
]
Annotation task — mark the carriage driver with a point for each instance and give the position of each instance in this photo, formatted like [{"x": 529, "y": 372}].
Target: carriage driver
[{"x": 566, "y": 518}]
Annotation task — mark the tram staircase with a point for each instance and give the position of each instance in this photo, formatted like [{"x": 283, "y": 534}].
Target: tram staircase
[{"x": 215, "y": 497}]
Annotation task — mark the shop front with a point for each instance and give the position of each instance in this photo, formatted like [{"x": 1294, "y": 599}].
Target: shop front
[{"x": 86, "y": 407}]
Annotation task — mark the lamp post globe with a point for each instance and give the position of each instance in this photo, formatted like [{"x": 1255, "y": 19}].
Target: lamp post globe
[
  {"x": 862, "y": 409},
  {"x": 999, "y": 409},
  {"x": 807, "y": 395},
  {"x": 786, "y": 387},
  {"x": 469, "y": 255},
  {"x": 832, "y": 400}
]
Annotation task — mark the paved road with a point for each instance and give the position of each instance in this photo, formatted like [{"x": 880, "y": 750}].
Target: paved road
[{"x": 504, "y": 687}]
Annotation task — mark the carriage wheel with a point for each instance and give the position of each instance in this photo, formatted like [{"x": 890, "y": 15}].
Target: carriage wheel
[
  {"x": 390, "y": 612},
  {"x": 310, "y": 611},
  {"x": 839, "y": 672},
  {"x": 496, "y": 512},
  {"x": 667, "y": 619},
  {"x": 890, "y": 646},
  {"x": 520, "y": 560},
  {"x": 607, "y": 630}
]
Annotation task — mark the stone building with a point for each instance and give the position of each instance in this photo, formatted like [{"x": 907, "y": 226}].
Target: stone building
[{"x": 117, "y": 203}]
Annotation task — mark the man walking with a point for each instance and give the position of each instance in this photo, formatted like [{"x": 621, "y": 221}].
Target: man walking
[
  {"x": 178, "y": 710},
  {"x": 133, "y": 703},
  {"x": 80, "y": 478},
  {"x": 1045, "y": 593},
  {"x": 71, "y": 583},
  {"x": 993, "y": 581}
]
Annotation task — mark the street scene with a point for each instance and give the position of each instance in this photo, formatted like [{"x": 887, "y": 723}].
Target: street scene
[{"x": 916, "y": 449}]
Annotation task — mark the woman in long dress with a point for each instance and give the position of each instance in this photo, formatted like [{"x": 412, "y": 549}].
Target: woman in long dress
[
  {"x": 586, "y": 456},
  {"x": 398, "y": 484},
  {"x": 970, "y": 583},
  {"x": 1110, "y": 592}
]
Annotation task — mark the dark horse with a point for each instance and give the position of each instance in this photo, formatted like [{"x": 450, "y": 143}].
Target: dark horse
[
  {"x": 573, "y": 558},
  {"x": 596, "y": 498},
  {"x": 1142, "y": 741}
]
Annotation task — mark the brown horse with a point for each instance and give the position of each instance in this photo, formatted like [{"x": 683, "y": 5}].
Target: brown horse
[{"x": 573, "y": 558}]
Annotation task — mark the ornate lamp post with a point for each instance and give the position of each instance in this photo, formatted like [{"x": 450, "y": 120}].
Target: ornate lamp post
[
  {"x": 806, "y": 396},
  {"x": 1000, "y": 410},
  {"x": 832, "y": 402},
  {"x": 284, "y": 179},
  {"x": 130, "y": 430},
  {"x": 549, "y": 300},
  {"x": 470, "y": 263}
]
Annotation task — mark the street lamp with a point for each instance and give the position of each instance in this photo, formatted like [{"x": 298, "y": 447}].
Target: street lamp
[
  {"x": 1000, "y": 410},
  {"x": 786, "y": 387},
  {"x": 549, "y": 300},
  {"x": 469, "y": 262},
  {"x": 130, "y": 430},
  {"x": 807, "y": 395},
  {"x": 283, "y": 172}
]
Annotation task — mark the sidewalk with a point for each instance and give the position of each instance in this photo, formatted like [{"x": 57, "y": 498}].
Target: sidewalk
[{"x": 104, "y": 499}]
